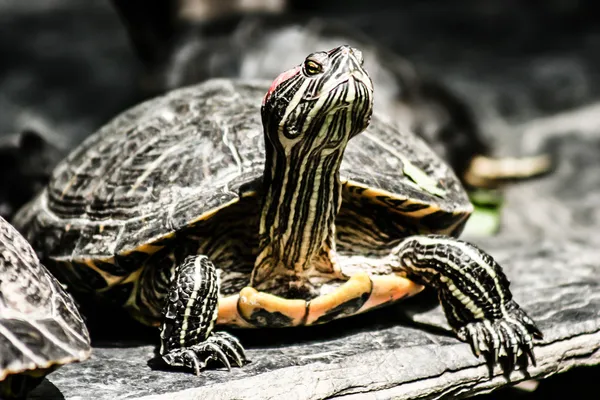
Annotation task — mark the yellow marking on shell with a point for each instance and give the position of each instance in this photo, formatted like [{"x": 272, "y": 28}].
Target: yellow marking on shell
[
  {"x": 111, "y": 280},
  {"x": 250, "y": 300},
  {"x": 249, "y": 193},
  {"x": 211, "y": 213},
  {"x": 357, "y": 286},
  {"x": 388, "y": 289},
  {"x": 68, "y": 186},
  {"x": 134, "y": 276},
  {"x": 131, "y": 304},
  {"x": 101, "y": 228},
  {"x": 148, "y": 248},
  {"x": 373, "y": 193},
  {"x": 421, "y": 180}
]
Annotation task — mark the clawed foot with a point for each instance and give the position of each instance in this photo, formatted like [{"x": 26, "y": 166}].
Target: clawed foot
[
  {"x": 508, "y": 337},
  {"x": 220, "y": 346}
]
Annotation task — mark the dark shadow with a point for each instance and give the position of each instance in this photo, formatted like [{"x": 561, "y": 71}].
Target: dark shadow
[
  {"x": 45, "y": 391},
  {"x": 579, "y": 383},
  {"x": 112, "y": 326}
]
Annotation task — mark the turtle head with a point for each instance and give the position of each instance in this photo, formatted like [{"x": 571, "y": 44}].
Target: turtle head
[{"x": 321, "y": 103}]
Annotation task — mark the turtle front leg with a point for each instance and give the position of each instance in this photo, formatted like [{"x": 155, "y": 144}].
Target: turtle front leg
[
  {"x": 191, "y": 308},
  {"x": 474, "y": 293}
]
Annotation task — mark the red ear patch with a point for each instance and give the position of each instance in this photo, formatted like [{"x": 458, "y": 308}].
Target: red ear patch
[{"x": 281, "y": 78}]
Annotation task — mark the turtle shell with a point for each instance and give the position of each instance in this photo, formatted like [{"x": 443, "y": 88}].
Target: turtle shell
[
  {"x": 40, "y": 326},
  {"x": 176, "y": 161}
]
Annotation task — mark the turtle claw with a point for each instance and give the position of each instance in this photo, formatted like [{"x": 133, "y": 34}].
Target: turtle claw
[
  {"x": 220, "y": 346},
  {"x": 220, "y": 355},
  {"x": 507, "y": 338},
  {"x": 529, "y": 352},
  {"x": 233, "y": 348}
]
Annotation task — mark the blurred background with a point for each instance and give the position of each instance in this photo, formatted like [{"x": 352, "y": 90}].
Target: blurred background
[{"x": 67, "y": 66}]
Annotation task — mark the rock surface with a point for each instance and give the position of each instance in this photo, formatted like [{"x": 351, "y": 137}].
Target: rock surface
[{"x": 530, "y": 91}]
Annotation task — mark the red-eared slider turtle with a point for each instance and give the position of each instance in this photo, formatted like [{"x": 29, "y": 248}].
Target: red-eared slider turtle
[
  {"x": 190, "y": 211},
  {"x": 40, "y": 326}
]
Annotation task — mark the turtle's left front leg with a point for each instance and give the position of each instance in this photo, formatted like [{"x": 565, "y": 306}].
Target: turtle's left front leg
[
  {"x": 191, "y": 308},
  {"x": 474, "y": 294}
]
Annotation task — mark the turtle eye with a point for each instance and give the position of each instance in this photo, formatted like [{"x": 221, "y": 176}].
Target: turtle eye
[
  {"x": 315, "y": 63},
  {"x": 312, "y": 67}
]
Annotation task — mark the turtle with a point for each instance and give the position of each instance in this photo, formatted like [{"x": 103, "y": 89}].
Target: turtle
[
  {"x": 178, "y": 50},
  {"x": 40, "y": 325},
  {"x": 268, "y": 204}
]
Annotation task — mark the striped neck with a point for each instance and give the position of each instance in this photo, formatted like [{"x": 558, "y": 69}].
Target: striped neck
[
  {"x": 309, "y": 113},
  {"x": 302, "y": 193}
]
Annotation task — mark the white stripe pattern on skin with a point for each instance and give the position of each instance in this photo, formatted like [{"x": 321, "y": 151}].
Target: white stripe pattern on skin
[
  {"x": 496, "y": 339},
  {"x": 465, "y": 249},
  {"x": 464, "y": 299},
  {"x": 292, "y": 209},
  {"x": 513, "y": 340},
  {"x": 191, "y": 301},
  {"x": 216, "y": 311},
  {"x": 445, "y": 261},
  {"x": 302, "y": 176},
  {"x": 450, "y": 283},
  {"x": 307, "y": 232},
  {"x": 291, "y": 107}
]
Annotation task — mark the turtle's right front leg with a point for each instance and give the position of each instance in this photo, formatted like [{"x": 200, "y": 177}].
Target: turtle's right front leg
[
  {"x": 191, "y": 308},
  {"x": 474, "y": 293}
]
